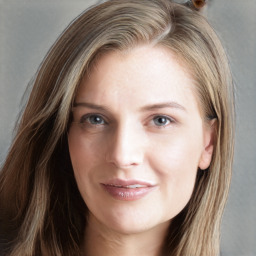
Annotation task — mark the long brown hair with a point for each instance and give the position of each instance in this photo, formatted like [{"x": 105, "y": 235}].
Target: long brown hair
[{"x": 41, "y": 208}]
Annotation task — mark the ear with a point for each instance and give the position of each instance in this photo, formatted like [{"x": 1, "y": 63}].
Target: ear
[{"x": 209, "y": 143}]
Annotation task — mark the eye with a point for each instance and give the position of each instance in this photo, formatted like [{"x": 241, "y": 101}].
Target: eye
[
  {"x": 162, "y": 120},
  {"x": 93, "y": 119}
]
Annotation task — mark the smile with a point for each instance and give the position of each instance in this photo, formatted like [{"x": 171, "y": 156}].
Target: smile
[
  {"x": 129, "y": 186},
  {"x": 128, "y": 190}
]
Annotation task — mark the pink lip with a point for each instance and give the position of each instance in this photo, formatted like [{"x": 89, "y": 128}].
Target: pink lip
[{"x": 128, "y": 190}]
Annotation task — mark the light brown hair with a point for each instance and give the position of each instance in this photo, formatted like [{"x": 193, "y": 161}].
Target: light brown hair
[{"x": 41, "y": 208}]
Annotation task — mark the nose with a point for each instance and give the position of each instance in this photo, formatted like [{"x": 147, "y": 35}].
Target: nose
[{"x": 126, "y": 147}]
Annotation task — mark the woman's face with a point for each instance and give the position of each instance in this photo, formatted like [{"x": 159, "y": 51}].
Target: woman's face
[{"x": 137, "y": 139}]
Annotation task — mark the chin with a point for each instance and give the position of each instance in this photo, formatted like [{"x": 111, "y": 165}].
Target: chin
[{"x": 131, "y": 221}]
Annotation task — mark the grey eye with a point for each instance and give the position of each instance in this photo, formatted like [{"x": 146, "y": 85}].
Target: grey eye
[
  {"x": 161, "y": 120},
  {"x": 94, "y": 119}
]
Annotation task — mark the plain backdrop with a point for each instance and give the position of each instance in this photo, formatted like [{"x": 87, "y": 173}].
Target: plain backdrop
[{"x": 29, "y": 27}]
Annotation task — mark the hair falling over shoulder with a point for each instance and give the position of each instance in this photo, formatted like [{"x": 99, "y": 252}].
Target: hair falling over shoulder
[{"x": 41, "y": 210}]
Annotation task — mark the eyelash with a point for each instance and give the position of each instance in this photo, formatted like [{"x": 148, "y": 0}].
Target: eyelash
[
  {"x": 85, "y": 119},
  {"x": 167, "y": 118}
]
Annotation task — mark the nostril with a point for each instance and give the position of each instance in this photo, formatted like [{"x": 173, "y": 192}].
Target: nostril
[
  {"x": 124, "y": 162},
  {"x": 124, "y": 158}
]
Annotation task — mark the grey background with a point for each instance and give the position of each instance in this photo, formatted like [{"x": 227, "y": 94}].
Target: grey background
[{"x": 29, "y": 27}]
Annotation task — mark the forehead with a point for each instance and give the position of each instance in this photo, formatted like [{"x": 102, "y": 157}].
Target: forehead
[{"x": 142, "y": 75}]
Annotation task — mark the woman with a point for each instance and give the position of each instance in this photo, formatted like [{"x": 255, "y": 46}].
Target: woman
[{"x": 125, "y": 146}]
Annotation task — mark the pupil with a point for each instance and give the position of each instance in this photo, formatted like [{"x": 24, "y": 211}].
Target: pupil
[
  {"x": 159, "y": 121},
  {"x": 162, "y": 120},
  {"x": 95, "y": 119}
]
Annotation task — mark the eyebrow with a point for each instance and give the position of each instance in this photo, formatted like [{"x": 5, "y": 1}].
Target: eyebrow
[
  {"x": 155, "y": 106},
  {"x": 170, "y": 104},
  {"x": 90, "y": 105}
]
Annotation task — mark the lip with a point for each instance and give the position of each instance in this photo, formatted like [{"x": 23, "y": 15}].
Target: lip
[{"x": 128, "y": 190}]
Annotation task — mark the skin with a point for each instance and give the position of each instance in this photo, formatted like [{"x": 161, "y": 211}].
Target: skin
[{"x": 130, "y": 140}]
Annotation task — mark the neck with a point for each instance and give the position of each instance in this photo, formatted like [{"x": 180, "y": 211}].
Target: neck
[{"x": 100, "y": 240}]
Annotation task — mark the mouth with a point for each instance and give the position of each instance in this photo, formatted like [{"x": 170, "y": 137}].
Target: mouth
[
  {"x": 128, "y": 190},
  {"x": 128, "y": 186}
]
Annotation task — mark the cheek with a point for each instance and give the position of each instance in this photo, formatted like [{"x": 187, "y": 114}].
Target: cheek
[
  {"x": 176, "y": 162},
  {"x": 84, "y": 154},
  {"x": 175, "y": 154},
  {"x": 84, "y": 150}
]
